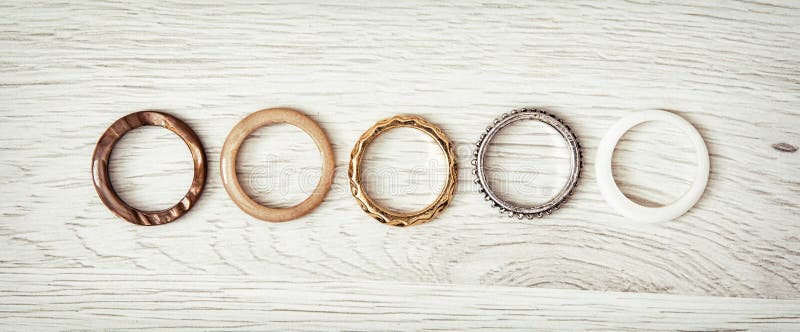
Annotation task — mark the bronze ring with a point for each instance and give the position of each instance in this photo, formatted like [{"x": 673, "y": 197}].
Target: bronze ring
[
  {"x": 395, "y": 218},
  {"x": 102, "y": 154},
  {"x": 231, "y": 149}
]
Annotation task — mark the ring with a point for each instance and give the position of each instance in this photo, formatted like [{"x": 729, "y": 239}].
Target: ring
[
  {"x": 230, "y": 150},
  {"x": 615, "y": 197},
  {"x": 102, "y": 154},
  {"x": 509, "y": 208},
  {"x": 384, "y": 215}
]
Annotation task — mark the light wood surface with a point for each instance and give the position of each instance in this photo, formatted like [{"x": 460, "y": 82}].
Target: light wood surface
[
  {"x": 69, "y": 69},
  {"x": 192, "y": 302}
]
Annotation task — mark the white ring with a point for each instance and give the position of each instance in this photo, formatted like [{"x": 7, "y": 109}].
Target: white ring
[{"x": 615, "y": 197}]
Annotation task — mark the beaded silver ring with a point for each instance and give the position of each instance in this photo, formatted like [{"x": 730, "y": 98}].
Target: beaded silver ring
[{"x": 512, "y": 209}]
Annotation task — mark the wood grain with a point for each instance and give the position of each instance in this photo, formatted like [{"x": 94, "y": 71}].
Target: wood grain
[
  {"x": 78, "y": 301},
  {"x": 67, "y": 70}
]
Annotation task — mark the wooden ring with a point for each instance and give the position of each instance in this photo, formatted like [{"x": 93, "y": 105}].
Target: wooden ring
[
  {"x": 231, "y": 149},
  {"x": 395, "y": 218},
  {"x": 102, "y": 154}
]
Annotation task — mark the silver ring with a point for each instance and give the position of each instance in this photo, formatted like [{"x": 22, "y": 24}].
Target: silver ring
[{"x": 480, "y": 172}]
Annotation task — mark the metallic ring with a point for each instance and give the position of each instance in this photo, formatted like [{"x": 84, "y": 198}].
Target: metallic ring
[
  {"x": 384, "y": 215},
  {"x": 102, "y": 155},
  {"x": 480, "y": 168},
  {"x": 230, "y": 150},
  {"x": 616, "y": 199}
]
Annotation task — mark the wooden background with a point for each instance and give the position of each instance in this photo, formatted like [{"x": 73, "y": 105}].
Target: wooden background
[{"x": 68, "y": 70}]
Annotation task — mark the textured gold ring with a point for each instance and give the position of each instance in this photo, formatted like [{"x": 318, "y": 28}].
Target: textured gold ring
[{"x": 356, "y": 166}]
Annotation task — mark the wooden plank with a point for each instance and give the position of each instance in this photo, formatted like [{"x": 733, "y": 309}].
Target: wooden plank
[{"x": 122, "y": 301}]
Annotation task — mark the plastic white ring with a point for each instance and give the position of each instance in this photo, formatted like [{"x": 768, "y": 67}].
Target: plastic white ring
[{"x": 617, "y": 200}]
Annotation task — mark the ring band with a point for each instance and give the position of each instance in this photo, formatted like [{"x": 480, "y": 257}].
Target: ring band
[
  {"x": 230, "y": 150},
  {"x": 102, "y": 155},
  {"x": 384, "y": 215},
  {"x": 479, "y": 163},
  {"x": 611, "y": 192}
]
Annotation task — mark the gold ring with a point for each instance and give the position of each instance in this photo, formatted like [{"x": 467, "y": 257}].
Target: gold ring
[
  {"x": 384, "y": 215},
  {"x": 230, "y": 150}
]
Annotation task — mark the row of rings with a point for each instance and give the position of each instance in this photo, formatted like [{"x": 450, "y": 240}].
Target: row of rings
[{"x": 246, "y": 126}]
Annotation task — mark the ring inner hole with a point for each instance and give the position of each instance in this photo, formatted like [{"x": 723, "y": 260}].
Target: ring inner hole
[
  {"x": 654, "y": 164},
  {"x": 527, "y": 163},
  {"x": 279, "y": 165},
  {"x": 403, "y": 170},
  {"x": 151, "y": 168}
]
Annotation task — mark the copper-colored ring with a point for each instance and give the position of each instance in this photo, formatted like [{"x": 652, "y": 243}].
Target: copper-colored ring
[
  {"x": 395, "y": 218},
  {"x": 102, "y": 154},
  {"x": 230, "y": 151}
]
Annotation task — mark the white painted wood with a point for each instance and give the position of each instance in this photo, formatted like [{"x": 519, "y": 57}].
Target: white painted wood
[
  {"x": 70, "y": 69},
  {"x": 71, "y": 301}
]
